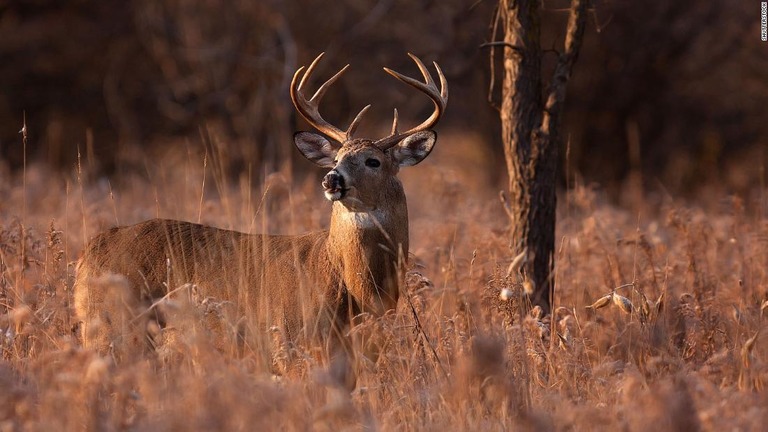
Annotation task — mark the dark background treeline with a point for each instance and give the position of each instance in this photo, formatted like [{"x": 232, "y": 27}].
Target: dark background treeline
[{"x": 675, "y": 90}]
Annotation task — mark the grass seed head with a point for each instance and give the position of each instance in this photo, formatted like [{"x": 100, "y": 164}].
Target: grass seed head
[
  {"x": 623, "y": 303},
  {"x": 517, "y": 263},
  {"x": 746, "y": 350},
  {"x": 601, "y": 302},
  {"x": 529, "y": 287},
  {"x": 537, "y": 312},
  {"x": 506, "y": 294}
]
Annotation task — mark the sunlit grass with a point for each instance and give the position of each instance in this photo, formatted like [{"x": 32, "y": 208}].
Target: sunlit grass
[{"x": 676, "y": 345}]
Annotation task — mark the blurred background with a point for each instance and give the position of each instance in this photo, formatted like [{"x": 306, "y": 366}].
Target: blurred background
[{"x": 670, "y": 94}]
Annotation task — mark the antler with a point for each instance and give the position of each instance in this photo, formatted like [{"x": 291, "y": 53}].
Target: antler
[
  {"x": 439, "y": 98},
  {"x": 309, "y": 109}
]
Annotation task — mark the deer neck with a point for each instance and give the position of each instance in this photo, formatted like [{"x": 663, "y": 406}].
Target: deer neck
[{"x": 367, "y": 245}]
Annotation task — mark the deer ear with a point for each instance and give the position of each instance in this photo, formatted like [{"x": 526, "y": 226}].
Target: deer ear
[
  {"x": 315, "y": 148},
  {"x": 414, "y": 148}
]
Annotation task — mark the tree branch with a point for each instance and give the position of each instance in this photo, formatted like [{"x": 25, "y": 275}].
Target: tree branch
[
  {"x": 515, "y": 48},
  {"x": 577, "y": 19}
]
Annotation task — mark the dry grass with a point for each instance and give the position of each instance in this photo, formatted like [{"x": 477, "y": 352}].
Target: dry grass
[{"x": 657, "y": 322}]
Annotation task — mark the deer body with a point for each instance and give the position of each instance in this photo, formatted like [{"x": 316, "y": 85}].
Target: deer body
[
  {"x": 160, "y": 255},
  {"x": 308, "y": 285}
]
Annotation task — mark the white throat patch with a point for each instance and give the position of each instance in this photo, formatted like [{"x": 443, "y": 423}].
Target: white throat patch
[{"x": 365, "y": 220}]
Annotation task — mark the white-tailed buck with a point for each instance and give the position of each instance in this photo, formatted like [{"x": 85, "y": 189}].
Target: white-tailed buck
[{"x": 306, "y": 285}]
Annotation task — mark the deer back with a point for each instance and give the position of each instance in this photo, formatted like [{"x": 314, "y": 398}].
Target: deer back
[{"x": 275, "y": 279}]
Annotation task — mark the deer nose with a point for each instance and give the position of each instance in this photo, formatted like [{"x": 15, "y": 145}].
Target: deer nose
[{"x": 333, "y": 181}]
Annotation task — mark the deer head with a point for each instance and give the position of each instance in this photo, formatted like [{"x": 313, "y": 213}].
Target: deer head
[{"x": 361, "y": 168}]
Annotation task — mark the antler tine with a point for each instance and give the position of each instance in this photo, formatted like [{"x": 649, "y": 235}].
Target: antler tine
[
  {"x": 428, "y": 87},
  {"x": 309, "y": 70},
  {"x": 353, "y": 126},
  {"x": 423, "y": 69},
  {"x": 323, "y": 88},
  {"x": 443, "y": 83},
  {"x": 309, "y": 109},
  {"x": 394, "y": 124}
]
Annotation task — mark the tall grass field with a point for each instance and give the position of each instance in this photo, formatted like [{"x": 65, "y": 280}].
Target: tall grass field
[{"x": 657, "y": 321}]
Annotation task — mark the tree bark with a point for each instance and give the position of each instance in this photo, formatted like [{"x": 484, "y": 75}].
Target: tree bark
[{"x": 531, "y": 136}]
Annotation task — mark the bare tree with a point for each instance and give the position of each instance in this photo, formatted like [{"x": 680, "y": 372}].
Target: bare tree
[{"x": 530, "y": 121}]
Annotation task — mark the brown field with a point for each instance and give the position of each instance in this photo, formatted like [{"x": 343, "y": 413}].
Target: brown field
[{"x": 686, "y": 354}]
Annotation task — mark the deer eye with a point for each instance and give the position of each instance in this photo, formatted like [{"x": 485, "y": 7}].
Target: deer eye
[{"x": 373, "y": 163}]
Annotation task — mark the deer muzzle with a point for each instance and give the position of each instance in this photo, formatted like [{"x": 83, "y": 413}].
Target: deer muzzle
[{"x": 334, "y": 186}]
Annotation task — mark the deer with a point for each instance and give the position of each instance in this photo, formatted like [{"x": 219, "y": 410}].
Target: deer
[{"x": 309, "y": 285}]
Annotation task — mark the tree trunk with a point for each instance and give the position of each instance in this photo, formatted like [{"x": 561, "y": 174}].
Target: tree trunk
[{"x": 531, "y": 135}]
